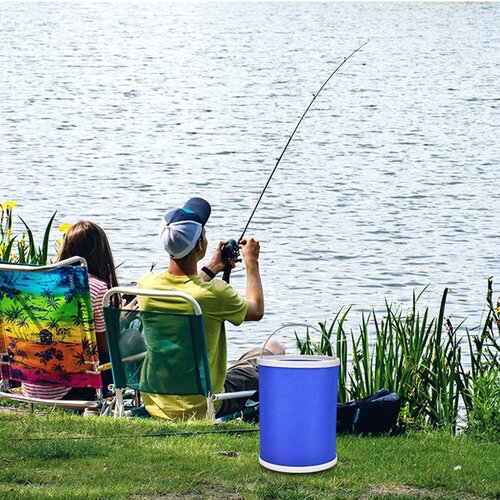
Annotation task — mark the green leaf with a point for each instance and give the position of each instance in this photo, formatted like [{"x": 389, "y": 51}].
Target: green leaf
[
  {"x": 31, "y": 243},
  {"x": 8, "y": 249},
  {"x": 46, "y": 235}
]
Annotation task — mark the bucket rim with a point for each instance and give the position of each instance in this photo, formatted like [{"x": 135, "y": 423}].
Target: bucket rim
[{"x": 298, "y": 361}]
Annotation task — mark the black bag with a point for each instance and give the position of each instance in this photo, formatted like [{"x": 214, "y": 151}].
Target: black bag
[{"x": 376, "y": 414}]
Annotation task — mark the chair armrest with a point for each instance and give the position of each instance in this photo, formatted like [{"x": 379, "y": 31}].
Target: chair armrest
[
  {"x": 129, "y": 359},
  {"x": 232, "y": 395},
  {"x": 61, "y": 403},
  {"x": 135, "y": 357}
]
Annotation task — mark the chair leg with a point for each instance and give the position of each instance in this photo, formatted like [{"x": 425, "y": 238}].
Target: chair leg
[
  {"x": 210, "y": 409},
  {"x": 120, "y": 406},
  {"x": 105, "y": 407},
  {"x": 137, "y": 399}
]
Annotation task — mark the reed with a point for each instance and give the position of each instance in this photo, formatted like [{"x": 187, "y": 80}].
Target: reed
[
  {"x": 22, "y": 247},
  {"x": 480, "y": 385},
  {"x": 420, "y": 358},
  {"x": 324, "y": 347}
]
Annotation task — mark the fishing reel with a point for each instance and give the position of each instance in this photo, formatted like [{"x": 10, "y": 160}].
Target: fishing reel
[{"x": 230, "y": 251}]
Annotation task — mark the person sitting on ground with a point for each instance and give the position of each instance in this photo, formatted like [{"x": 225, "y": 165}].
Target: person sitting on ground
[
  {"x": 182, "y": 235},
  {"x": 88, "y": 240}
]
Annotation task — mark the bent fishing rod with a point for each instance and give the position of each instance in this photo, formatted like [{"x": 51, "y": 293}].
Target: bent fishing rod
[{"x": 230, "y": 251}]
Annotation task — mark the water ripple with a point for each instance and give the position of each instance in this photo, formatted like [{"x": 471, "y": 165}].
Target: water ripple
[{"x": 391, "y": 183}]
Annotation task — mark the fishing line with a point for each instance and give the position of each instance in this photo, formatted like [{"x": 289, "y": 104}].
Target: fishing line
[
  {"x": 231, "y": 249},
  {"x": 160, "y": 434},
  {"x": 293, "y": 133}
]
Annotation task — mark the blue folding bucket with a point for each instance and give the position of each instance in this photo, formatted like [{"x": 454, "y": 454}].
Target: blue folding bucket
[{"x": 298, "y": 412}]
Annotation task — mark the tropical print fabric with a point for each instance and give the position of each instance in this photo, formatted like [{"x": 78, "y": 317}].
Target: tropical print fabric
[{"x": 47, "y": 329}]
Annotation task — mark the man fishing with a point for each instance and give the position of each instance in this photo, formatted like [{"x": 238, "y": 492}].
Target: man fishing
[{"x": 182, "y": 235}]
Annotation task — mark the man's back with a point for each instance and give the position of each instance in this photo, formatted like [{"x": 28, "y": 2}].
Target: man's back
[{"x": 219, "y": 302}]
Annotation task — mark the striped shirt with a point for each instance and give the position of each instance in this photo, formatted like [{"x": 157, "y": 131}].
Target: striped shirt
[
  {"x": 44, "y": 391},
  {"x": 97, "y": 290},
  {"x": 49, "y": 391}
]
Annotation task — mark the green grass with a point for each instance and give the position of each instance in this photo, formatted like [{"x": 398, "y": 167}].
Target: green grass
[{"x": 115, "y": 460}]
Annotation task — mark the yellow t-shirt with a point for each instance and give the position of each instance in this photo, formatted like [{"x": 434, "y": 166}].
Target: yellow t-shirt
[{"x": 219, "y": 302}]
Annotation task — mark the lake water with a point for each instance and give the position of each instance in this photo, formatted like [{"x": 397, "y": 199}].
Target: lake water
[{"x": 118, "y": 112}]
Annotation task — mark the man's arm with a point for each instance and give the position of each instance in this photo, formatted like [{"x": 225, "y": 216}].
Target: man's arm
[
  {"x": 215, "y": 265},
  {"x": 250, "y": 249}
]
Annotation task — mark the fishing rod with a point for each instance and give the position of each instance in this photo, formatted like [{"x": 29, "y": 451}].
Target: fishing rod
[{"x": 231, "y": 251}]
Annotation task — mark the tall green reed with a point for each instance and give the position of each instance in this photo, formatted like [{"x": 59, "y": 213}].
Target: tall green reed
[
  {"x": 480, "y": 385},
  {"x": 417, "y": 356},
  {"x": 324, "y": 347}
]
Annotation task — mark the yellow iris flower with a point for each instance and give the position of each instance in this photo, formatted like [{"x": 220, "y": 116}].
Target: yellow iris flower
[
  {"x": 64, "y": 228},
  {"x": 8, "y": 204}
]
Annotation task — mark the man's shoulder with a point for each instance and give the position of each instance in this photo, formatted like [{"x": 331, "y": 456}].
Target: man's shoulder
[
  {"x": 226, "y": 294},
  {"x": 153, "y": 281},
  {"x": 146, "y": 279},
  {"x": 193, "y": 285},
  {"x": 219, "y": 287}
]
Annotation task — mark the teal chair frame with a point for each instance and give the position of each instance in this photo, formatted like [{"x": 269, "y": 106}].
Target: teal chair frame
[{"x": 123, "y": 362}]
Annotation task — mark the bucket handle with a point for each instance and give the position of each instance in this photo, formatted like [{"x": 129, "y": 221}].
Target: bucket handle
[{"x": 286, "y": 325}]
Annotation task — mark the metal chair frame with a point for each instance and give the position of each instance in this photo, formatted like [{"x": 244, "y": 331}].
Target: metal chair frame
[{"x": 211, "y": 398}]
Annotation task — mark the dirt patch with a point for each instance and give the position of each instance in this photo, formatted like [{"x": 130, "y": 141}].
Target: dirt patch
[
  {"x": 211, "y": 491},
  {"x": 227, "y": 453},
  {"x": 11, "y": 409},
  {"x": 409, "y": 491}
]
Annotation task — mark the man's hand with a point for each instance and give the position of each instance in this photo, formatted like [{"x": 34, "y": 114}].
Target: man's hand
[
  {"x": 133, "y": 305},
  {"x": 250, "y": 249},
  {"x": 216, "y": 264},
  {"x": 128, "y": 307}
]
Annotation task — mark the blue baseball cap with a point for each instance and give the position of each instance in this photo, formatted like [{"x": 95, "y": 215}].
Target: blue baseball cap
[{"x": 181, "y": 228}]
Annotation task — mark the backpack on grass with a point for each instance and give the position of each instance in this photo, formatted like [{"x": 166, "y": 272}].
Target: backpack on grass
[{"x": 375, "y": 414}]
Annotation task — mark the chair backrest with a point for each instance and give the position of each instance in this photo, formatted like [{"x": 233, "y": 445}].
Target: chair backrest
[
  {"x": 158, "y": 352},
  {"x": 46, "y": 324}
]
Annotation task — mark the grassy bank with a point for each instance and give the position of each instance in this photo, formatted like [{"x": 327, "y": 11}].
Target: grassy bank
[{"x": 115, "y": 460}]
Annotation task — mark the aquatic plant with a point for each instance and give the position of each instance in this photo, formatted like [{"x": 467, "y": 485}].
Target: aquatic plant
[
  {"x": 21, "y": 247},
  {"x": 481, "y": 383},
  {"x": 6, "y": 238},
  {"x": 420, "y": 358}
]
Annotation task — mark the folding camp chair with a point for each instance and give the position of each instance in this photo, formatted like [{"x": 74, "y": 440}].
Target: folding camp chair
[
  {"x": 47, "y": 334},
  {"x": 160, "y": 352}
]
